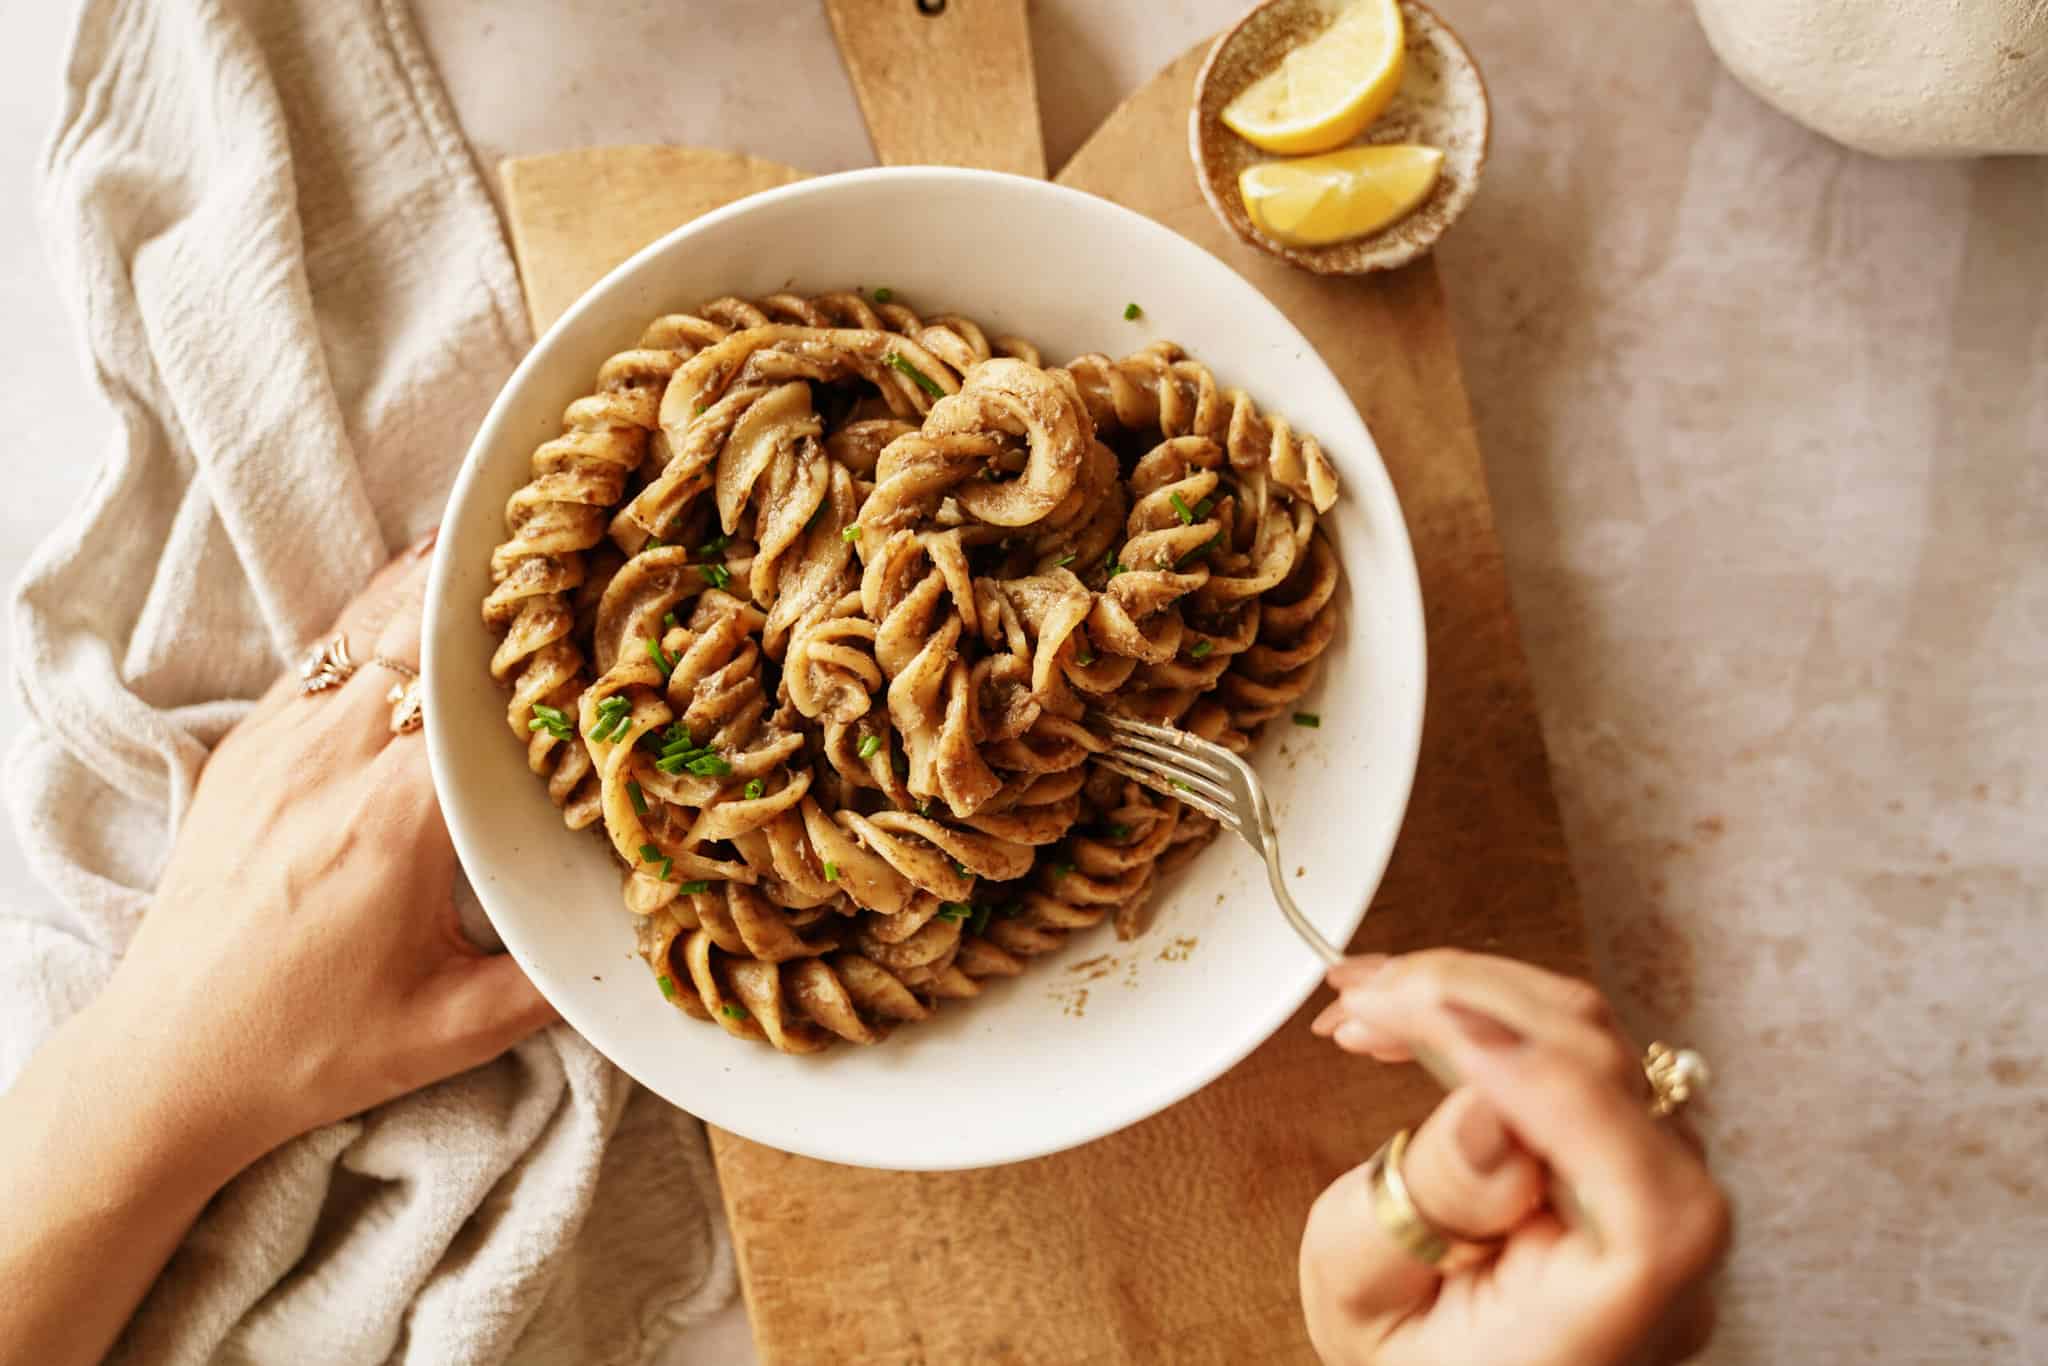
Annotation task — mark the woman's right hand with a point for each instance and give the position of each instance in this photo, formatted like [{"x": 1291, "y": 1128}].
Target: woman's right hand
[{"x": 1610, "y": 1220}]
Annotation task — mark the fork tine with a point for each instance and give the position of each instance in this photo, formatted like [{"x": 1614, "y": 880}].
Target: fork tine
[
  {"x": 1180, "y": 756},
  {"x": 1151, "y": 730},
  {"x": 1156, "y": 783},
  {"x": 1189, "y": 779}
]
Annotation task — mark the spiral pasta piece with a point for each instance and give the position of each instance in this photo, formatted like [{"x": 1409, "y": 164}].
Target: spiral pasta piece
[
  {"x": 807, "y": 605},
  {"x": 1162, "y": 387}
]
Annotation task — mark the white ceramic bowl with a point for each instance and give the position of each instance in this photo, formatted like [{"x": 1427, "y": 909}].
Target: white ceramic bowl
[{"x": 1097, "y": 1036}]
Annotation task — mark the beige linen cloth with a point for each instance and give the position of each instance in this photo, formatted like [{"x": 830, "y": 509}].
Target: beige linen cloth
[{"x": 296, "y": 298}]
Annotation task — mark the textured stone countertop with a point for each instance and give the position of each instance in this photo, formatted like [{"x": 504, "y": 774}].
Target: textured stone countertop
[{"x": 1768, "y": 440}]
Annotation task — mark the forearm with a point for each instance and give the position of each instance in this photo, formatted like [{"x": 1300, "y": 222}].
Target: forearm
[{"x": 105, "y": 1161}]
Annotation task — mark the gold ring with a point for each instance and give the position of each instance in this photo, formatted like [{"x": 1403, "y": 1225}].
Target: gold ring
[
  {"x": 326, "y": 664},
  {"x": 1394, "y": 1208},
  {"x": 1676, "y": 1076},
  {"x": 408, "y": 712}
]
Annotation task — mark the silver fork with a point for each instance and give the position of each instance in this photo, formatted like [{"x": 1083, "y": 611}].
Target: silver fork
[{"x": 1213, "y": 781}]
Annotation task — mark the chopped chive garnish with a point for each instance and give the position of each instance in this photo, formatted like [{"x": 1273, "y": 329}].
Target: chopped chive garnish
[
  {"x": 754, "y": 788},
  {"x": 1205, "y": 507},
  {"x": 661, "y": 661},
  {"x": 1084, "y": 658},
  {"x": 1181, "y": 509},
  {"x": 553, "y": 720},
  {"x": 672, "y": 763},
  {"x": 851, "y": 533},
  {"x": 979, "y": 921},
  {"x": 709, "y": 766},
  {"x": 668, "y": 620},
  {"x": 1307, "y": 718},
  {"x": 668, "y": 985},
  {"x": 1117, "y": 832},
  {"x": 1200, "y": 650},
  {"x": 884, "y": 294},
  {"x": 831, "y": 871},
  {"x": 733, "y": 1012},
  {"x": 654, "y": 543},
  {"x": 649, "y": 854},
  {"x": 1061, "y": 869},
  {"x": 717, "y": 575},
  {"x": 611, "y": 726},
  {"x": 700, "y": 410},
  {"x": 692, "y": 888},
  {"x": 1132, "y": 313},
  {"x": 1115, "y": 568},
  {"x": 954, "y": 910},
  {"x": 639, "y": 798},
  {"x": 870, "y": 746},
  {"x": 919, "y": 377},
  {"x": 1063, "y": 561},
  {"x": 1178, "y": 786},
  {"x": 714, "y": 545},
  {"x": 666, "y": 864}
]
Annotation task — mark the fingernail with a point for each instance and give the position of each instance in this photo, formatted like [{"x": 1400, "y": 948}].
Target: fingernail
[
  {"x": 1483, "y": 1139},
  {"x": 1483, "y": 1030},
  {"x": 1327, "y": 1022},
  {"x": 1354, "y": 1036},
  {"x": 426, "y": 543},
  {"x": 1355, "y": 971}
]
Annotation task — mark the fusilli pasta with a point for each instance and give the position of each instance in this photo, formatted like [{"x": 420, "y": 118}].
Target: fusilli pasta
[{"x": 805, "y": 607}]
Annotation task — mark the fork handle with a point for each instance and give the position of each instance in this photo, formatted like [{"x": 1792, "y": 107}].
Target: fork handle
[{"x": 1310, "y": 936}]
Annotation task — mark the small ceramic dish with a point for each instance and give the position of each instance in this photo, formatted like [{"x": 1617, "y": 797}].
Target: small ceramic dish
[{"x": 1441, "y": 103}]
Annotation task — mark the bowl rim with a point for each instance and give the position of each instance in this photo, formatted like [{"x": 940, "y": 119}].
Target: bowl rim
[{"x": 1146, "y": 1096}]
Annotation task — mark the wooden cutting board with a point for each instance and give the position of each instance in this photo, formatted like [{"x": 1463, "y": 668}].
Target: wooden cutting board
[{"x": 1173, "y": 1241}]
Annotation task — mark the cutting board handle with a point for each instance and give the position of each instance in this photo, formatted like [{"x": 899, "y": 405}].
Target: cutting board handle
[{"x": 944, "y": 82}]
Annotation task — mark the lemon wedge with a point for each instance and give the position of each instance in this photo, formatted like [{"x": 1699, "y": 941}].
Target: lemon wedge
[
  {"x": 1314, "y": 201},
  {"x": 1326, "y": 91}
]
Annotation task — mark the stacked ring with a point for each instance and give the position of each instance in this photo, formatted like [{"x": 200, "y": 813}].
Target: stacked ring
[{"x": 328, "y": 664}]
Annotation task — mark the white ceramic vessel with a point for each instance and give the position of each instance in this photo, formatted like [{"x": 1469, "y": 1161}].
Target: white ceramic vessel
[{"x": 1058, "y": 1056}]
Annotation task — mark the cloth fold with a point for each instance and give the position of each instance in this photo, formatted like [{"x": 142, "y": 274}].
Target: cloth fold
[{"x": 296, "y": 296}]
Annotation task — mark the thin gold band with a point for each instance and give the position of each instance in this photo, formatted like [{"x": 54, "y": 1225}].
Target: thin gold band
[{"x": 1394, "y": 1209}]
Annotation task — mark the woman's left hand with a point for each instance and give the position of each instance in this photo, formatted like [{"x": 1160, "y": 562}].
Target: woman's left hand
[{"x": 302, "y": 961}]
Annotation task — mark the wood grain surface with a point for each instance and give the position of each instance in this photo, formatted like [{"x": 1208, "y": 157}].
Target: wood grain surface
[
  {"x": 1173, "y": 1241},
  {"x": 943, "y": 82}
]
